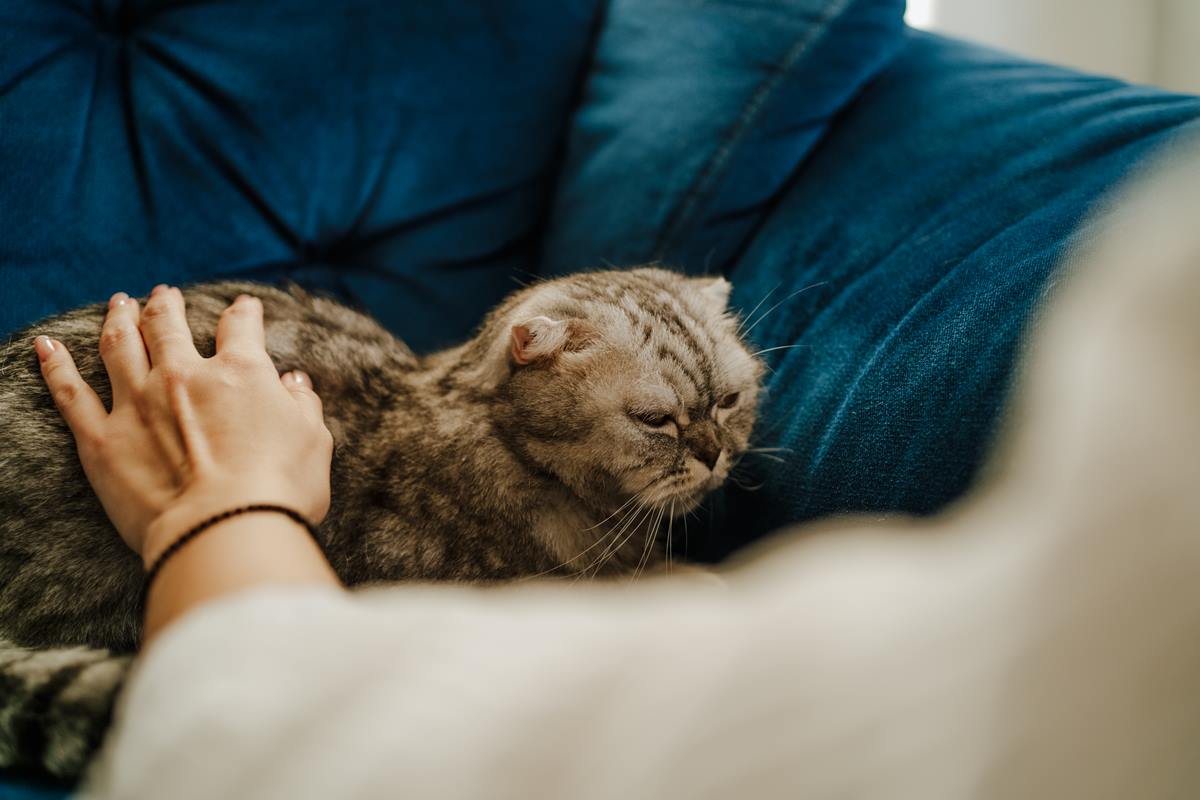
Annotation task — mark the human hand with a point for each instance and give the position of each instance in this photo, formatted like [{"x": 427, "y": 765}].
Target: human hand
[{"x": 189, "y": 437}]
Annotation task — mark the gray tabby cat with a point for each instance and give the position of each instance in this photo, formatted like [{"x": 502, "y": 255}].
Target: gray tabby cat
[{"x": 585, "y": 413}]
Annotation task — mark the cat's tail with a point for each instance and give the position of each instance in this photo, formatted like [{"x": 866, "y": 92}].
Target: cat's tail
[{"x": 55, "y": 706}]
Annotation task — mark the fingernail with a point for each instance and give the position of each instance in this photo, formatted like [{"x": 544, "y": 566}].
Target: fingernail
[
  {"x": 299, "y": 378},
  {"x": 162, "y": 287},
  {"x": 44, "y": 346},
  {"x": 118, "y": 299}
]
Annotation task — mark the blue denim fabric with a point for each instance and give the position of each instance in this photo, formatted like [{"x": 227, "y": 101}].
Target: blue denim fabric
[
  {"x": 693, "y": 117},
  {"x": 928, "y": 226},
  {"x": 398, "y": 152}
]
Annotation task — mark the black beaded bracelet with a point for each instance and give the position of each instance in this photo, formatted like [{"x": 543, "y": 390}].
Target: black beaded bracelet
[{"x": 195, "y": 531}]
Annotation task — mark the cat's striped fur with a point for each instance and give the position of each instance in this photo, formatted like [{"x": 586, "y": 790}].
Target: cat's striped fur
[
  {"x": 56, "y": 705},
  {"x": 585, "y": 412}
]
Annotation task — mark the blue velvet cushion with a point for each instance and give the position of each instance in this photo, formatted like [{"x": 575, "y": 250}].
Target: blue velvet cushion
[
  {"x": 694, "y": 114},
  {"x": 398, "y": 152},
  {"x": 928, "y": 225}
]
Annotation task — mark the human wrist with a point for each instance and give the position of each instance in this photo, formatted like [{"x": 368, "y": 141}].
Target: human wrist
[
  {"x": 155, "y": 565},
  {"x": 203, "y": 502},
  {"x": 240, "y": 552}
]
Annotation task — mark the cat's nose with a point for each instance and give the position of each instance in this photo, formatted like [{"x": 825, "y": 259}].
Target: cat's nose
[
  {"x": 708, "y": 457},
  {"x": 701, "y": 439}
]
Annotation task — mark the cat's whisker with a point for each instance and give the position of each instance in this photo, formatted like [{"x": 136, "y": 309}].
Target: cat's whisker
[
  {"x": 769, "y": 456},
  {"x": 614, "y": 539},
  {"x": 648, "y": 545},
  {"x": 617, "y": 547},
  {"x": 655, "y": 515},
  {"x": 739, "y": 476},
  {"x": 686, "y": 554},
  {"x": 633, "y": 498},
  {"x": 609, "y": 539},
  {"x": 677, "y": 479},
  {"x": 662, "y": 514},
  {"x": 670, "y": 527},
  {"x": 748, "y": 473},
  {"x": 750, "y": 316},
  {"x": 651, "y": 527},
  {"x": 599, "y": 540},
  {"x": 533, "y": 277},
  {"x": 768, "y": 312},
  {"x": 652, "y": 534},
  {"x": 640, "y": 497},
  {"x": 620, "y": 508},
  {"x": 781, "y": 347}
]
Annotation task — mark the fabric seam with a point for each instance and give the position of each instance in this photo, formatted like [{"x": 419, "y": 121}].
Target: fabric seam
[{"x": 745, "y": 120}]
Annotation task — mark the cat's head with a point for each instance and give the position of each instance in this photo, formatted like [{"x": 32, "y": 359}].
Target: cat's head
[{"x": 624, "y": 383}]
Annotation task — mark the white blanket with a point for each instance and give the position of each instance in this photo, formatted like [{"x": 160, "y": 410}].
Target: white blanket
[{"x": 1039, "y": 640}]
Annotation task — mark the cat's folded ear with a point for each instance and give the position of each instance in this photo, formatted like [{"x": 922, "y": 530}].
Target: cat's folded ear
[
  {"x": 542, "y": 338},
  {"x": 715, "y": 292}
]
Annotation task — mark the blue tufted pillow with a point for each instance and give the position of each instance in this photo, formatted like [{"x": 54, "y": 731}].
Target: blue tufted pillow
[
  {"x": 907, "y": 258},
  {"x": 694, "y": 116},
  {"x": 397, "y": 152}
]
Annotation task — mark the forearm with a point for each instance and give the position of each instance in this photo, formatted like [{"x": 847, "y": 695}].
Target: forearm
[{"x": 243, "y": 552}]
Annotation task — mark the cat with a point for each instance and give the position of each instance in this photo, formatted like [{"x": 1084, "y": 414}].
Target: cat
[{"x": 584, "y": 413}]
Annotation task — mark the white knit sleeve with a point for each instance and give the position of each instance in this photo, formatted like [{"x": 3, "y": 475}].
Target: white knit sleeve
[{"x": 868, "y": 666}]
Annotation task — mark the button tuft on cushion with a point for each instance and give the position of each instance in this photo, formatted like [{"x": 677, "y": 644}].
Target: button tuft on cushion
[{"x": 212, "y": 140}]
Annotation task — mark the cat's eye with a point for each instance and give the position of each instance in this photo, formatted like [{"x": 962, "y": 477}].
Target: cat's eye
[
  {"x": 728, "y": 401},
  {"x": 652, "y": 420}
]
